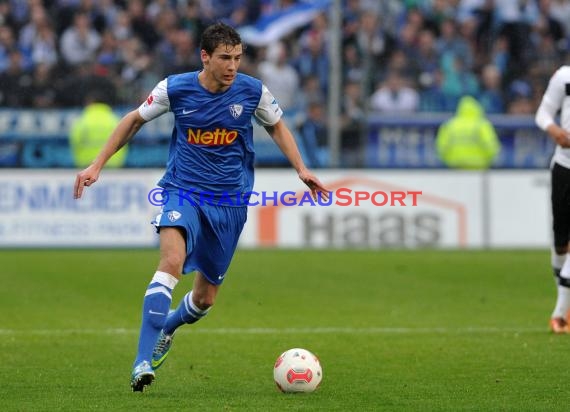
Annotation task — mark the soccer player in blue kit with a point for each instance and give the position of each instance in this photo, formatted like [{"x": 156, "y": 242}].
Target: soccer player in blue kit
[{"x": 211, "y": 152}]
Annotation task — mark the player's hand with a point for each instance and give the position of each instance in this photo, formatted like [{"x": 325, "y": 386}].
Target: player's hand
[
  {"x": 560, "y": 136},
  {"x": 84, "y": 178},
  {"x": 314, "y": 185}
]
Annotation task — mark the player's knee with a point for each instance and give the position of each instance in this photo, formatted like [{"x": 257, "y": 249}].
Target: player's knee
[
  {"x": 204, "y": 302},
  {"x": 171, "y": 263}
]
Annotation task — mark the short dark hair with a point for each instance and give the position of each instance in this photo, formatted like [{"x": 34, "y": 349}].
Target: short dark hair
[{"x": 218, "y": 34}]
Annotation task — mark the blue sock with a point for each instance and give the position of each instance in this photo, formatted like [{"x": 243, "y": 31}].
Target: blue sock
[
  {"x": 186, "y": 312},
  {"x": 155, "y": 309}
]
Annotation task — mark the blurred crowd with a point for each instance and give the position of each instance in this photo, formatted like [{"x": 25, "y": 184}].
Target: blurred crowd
[{"x": 398, "y": 56}]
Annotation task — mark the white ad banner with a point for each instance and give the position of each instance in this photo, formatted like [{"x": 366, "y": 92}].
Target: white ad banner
[
  {"x": 38, "y": 209},
  {"x": 368, "y": 209},
  {"x": 519, "y": 209}
]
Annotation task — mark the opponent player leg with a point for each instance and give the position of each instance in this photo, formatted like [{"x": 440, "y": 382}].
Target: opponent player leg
[
  {"x": 560, "y": 198},
  {"x": 156, "y": 303},
  {"x": 561, "y": 270}
]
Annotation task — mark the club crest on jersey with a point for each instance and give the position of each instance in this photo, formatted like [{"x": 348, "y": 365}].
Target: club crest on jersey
[
  {"x": 236, "y": 110},
  {"x": 174, "y": 215}
]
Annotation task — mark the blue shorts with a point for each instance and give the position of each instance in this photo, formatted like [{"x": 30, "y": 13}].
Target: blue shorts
[{"x": 212, "y": 234}]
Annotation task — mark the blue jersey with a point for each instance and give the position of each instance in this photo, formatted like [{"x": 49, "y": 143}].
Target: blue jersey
[{"x": 212, "y": 141}]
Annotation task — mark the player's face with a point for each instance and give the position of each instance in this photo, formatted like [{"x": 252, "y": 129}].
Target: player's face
[{"x": 222, "y": 65}]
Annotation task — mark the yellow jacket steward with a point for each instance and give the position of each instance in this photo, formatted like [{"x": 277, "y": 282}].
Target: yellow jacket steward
[
  {"x": 468, "y": 140},
  {"x": 90, "y": 132}
]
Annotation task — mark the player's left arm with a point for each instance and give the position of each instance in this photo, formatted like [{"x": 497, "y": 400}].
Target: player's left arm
[
  {"x": 284, "y": 139},
  {"x": 550, "y": 105},
  {"x": 269, "y": 115}
]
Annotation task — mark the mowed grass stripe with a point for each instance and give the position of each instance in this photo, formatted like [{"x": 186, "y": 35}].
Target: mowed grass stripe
[{"x": 278, "y": 331}]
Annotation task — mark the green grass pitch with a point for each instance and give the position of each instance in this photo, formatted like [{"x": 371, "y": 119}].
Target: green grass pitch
[{"x": 395, "y": 331}]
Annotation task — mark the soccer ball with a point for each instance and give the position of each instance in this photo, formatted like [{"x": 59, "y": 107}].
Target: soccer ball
[{"x": 297, "y": 370}]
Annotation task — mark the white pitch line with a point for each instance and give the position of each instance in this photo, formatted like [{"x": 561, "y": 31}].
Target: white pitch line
[{"x": 286, "y": 331}]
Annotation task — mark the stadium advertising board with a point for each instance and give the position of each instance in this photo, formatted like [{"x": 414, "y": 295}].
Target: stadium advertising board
[
  {"x": 369, "y": 209},
  {"x": 38, "y": 209},
  {"x": 397, "y": 142},
  {"x": 519, "y": 207}
]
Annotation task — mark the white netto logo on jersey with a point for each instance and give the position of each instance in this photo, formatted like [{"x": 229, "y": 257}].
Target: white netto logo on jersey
[
  {"x": 236, "y": 110},
  {"x": 174, "y": 215}
]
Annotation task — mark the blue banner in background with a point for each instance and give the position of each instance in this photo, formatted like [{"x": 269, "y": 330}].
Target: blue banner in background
[
  {"x": 409, "y": 142},
  {"x": 39, "y": 139}
]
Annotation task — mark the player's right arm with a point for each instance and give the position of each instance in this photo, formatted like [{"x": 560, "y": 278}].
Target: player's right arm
[
  {"x": 268, "y": 114},
  {"x": 129, "y": 125},
  {"x": 551, "y": 104},
  {"x": 155, "y": 105}
]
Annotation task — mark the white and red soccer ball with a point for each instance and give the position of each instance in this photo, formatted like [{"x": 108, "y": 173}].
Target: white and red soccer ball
[{"x": 297, "y": 370}]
